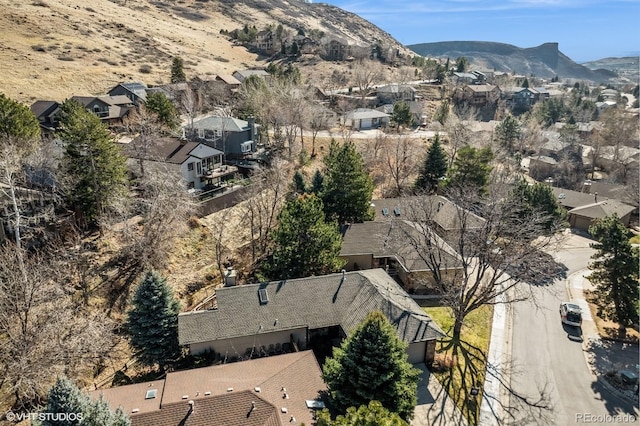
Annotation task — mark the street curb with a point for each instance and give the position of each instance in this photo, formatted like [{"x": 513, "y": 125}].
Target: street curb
[
  {"x": 586, "y": 352},
  {"x": 614, "y": 391}
]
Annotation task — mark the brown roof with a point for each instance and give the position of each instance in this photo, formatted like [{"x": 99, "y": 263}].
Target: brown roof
[
  {"x": 132, "y": 397},
  {"x": 229, "y": 79},
  {"x": 167, "y": 149},
  {"x": 232, "y": 409},
  {"x": 224, "y": 393}
]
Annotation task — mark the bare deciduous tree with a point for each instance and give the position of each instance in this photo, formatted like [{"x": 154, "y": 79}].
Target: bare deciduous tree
[
  {"x": 400, "y": 156},
  {"x": 366, "y": 74},
  {"x": 262, "y": 204},
  {"x": 44, "y": 334}
]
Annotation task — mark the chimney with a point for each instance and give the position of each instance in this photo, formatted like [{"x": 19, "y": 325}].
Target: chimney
[
  {"x": 230, "y": 277},
  {"x": 595, "y": 197}
]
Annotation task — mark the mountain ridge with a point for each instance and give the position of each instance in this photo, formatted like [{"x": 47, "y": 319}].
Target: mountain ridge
[{"x": 545, "y": 60}]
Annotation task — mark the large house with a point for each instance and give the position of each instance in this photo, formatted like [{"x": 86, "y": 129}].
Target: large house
[
  {"x": 306, "y": 313},
  {"x": 110, "y": 109},
  {"x": 382, "y": 243},
  {"x": 201, "y": 166},
  {"x": 270, "y": 391},
  {"x": 238, "y": 139},
  {"x": 134, "y": 91},
  {"x": 393, "y": 93},
  {"x": 480, "y": 94}
]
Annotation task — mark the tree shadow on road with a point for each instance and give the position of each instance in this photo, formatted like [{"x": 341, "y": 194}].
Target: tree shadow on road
[{"x": 462, "y": 369}]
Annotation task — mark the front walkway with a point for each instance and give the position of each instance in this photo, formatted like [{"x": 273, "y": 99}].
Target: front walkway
[{"x": 435, "y": 407}]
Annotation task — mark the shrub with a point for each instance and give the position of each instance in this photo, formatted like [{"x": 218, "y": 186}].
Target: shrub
[{"x": 145, "y": 69}]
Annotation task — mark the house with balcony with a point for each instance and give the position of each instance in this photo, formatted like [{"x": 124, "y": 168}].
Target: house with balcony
[
  {"x": 135, "y": 91},
  {"x": 201, "y": 166},
  {"x": 110, "y": 109},
  {"x": 237, "y": 139},
  {"x": 479, "y": 94}
]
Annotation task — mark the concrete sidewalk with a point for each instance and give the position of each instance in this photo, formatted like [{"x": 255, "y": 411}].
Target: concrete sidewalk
[
  {"x": 435, "y": 407},
  {"x": 602, "y": 355}
]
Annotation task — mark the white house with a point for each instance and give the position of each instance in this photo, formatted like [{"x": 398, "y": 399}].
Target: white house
[{"x": 365, "y": 118}]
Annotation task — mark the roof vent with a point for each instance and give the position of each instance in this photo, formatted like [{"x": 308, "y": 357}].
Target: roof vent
[
  {"x": 207, "y": 393},
  {"x": 284, "y": 409},
  {"x": 396, "y": 211},
  {"x": 229, "y": 389},
  {"x": 185, "y": 396},
  {"x": 151, "y": 393},
  {"x": 257, "y": 389},
  {"x": 135, "y": 410},
  {"x": 263, "y": 295},
  {"x": 385, "y": 212}
]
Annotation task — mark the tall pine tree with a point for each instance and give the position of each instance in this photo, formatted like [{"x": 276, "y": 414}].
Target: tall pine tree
[
  {"x": 371, "y": 364},
  {"x": 153, "y": 321},
  {"x": 471, "y": 169},
  {"x": 177, "y": 70},
  {"x": 434, "y": 168},
  {"x": 304, "y": 243},
  {"x": 615, "y": 271},
  {"x": 347, "y": 185},
  {"x": 95, "y": 168}
]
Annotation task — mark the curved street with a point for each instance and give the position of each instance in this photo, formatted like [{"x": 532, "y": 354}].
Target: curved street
[{"x": 550, "y": 356}]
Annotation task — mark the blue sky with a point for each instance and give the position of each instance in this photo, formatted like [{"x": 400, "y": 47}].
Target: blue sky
[{"x": 585, "y": 29}]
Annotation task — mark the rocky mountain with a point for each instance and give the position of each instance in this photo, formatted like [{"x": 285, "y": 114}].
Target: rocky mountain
[
  {"x": 544, "y": 61},
  {"x": 626, "y": 67},
  {"x": 52, "y": 49}
]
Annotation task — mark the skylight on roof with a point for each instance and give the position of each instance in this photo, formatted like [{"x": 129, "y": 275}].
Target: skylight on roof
[
  {"x": 263, "y": 295},
  {"x": 151, "y": 393}
]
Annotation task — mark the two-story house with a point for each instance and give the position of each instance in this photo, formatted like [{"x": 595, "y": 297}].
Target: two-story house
[
  {"x": 136, "y": 92},
  {"x": 201, "y": 166},
  {"x": 395, "y": 92},
  {"x": 237, "y": 139},
  {"x": 110, "y": 109},
  {"x": 480, "y": 94},
  {"x": 46, "y": 112}
]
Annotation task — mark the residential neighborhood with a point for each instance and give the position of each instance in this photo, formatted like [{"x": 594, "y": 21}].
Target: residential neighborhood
[{"x": 408, "y": 240}]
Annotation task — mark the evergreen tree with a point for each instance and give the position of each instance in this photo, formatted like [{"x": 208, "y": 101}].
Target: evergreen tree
[
  {"x": 538, "y": 199},
  {"x": 304, "y": 243},
  {"x": 153, "y": 321},
  {"x": 471, "y": 167},
  {"x": 65, "y": 398},
  {"x": 17, "y": 122},
  {"x": 461, "y": 64},
  {"x": 295, "y": 50},
  {"x": 371, "y": 364},
  {"x": 158, "y": 103},
  {"x": 401, "y": 114},
  {"x": 373, "y": 414},
  {"x": 298, "y": 186},
  {"x": 508, "y": 132},
  {"x": 177, "y": 70},
  {"x": 317, "y": 183},
  {"x": 442, "y": 113},
  {"x": 615, "y": 271},
  {"x": 433, "y": 169},
  {"x": 95, "y": 167},
  {"x": 525, "y": 83},
  {"x": 347, "y": 185}
]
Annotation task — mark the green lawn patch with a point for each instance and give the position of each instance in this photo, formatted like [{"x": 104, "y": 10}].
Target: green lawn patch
[{"x": 460, "y": 366}]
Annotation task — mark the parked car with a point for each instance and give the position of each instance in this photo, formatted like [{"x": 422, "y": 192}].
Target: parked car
[{"x": 571, "y": 314}]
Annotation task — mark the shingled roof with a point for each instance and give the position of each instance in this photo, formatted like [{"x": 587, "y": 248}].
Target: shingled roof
[
  {"x": 603, "y": 209},
  {"x": 223, "y": 394},
  {"x": 314, "y": 302}
]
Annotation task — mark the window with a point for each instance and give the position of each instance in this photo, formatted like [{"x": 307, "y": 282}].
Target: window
[
  {"x": 190, "y": 166},
  {"x": 246, "y": 146},
  {"x": 201, "y": 133},
  {"x": 199, "y": 168}
]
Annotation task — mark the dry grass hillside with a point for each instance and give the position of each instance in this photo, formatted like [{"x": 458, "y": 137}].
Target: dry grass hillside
[{"x": 52, "y": 49}]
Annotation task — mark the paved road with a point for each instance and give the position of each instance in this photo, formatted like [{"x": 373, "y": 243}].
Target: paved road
[{"x": 550, "y": 356}]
